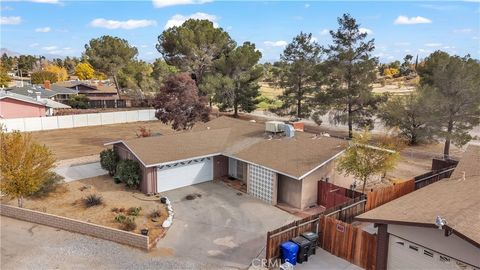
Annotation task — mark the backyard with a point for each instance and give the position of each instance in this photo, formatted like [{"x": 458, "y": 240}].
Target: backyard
[{"x": 67, "y": 201}]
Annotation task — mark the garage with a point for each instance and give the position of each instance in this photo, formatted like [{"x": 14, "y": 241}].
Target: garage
[
  {"x": 407, "y": 255},
  {"x": 185, "y": 173}
]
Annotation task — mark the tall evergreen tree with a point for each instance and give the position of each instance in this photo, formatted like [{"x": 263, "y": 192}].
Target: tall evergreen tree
[
  {"x": 454, "y": 97},
  {"x": 194, "y": 46},
  {"x": 297, "y": 76},
  {"x": 348, "y": 95},
  {"x": 236, "y": 82},
  {"x": 109, "y": 55}
]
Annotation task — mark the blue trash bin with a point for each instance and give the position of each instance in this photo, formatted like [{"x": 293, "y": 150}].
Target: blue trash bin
[{"x": 288, "y": 251}]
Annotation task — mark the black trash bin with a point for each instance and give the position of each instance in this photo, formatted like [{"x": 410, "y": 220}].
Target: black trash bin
[
  {"x": 313, "y": 238},
  {"x": 303, "y": 248}
]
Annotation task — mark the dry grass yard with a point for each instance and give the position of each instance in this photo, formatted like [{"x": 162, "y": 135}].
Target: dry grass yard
[
  {"x": 66, "y": 201},
  {"x": 84, "y": 141}
]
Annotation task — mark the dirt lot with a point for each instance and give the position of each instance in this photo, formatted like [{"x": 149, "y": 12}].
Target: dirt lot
[
  {"x": 84, "y": 141},
  {"x": 66, "y": 201}
]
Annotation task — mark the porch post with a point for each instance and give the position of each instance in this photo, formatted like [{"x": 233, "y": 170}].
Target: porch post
[{"x": 382, "y": 246}]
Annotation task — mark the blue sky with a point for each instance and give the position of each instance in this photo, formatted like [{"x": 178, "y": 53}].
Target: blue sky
[{"x": 57, "y": 27}]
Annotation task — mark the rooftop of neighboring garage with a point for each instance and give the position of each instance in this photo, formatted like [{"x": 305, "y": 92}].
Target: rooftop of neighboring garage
[
  {"x": 456, "y": 199},
  {"x": 247, "y": 141}
]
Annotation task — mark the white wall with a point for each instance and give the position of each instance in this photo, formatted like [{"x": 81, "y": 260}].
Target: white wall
[{"x": 79, "y": 120}]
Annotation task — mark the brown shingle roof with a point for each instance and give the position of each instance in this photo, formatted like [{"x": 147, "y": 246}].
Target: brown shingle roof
[
  {"x": 455, "y": 199},
  {"x": 243, "y": 140}
]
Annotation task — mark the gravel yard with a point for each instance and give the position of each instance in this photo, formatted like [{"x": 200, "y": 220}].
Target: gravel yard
[{"x": 66, "y": 201}]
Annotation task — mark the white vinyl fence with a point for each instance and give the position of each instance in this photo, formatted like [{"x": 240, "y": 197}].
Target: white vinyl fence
[{"x": 77, "y": 120}]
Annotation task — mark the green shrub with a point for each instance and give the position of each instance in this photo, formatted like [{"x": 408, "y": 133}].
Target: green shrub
[
  {"x": 129, "y": 224},
  {"x": 109, "y": 160},
  {"x": 128, "y": 171},
  {"x": 92, "y": 200},
  {"x": 134, "y": 211},
  {"x": 120, "y": 218},
  {"x": 78, "y": 102},
  {"x": 50, "y": 184}
]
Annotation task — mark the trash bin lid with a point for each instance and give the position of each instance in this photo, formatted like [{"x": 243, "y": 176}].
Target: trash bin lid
[
  {"x": 310, "y": 235},
  {"x": 290, "y": 246},
  {"x": 300, "y": 240}
]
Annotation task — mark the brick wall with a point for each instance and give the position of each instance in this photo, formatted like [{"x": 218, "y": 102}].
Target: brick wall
[{"x": 111, "y": 234}]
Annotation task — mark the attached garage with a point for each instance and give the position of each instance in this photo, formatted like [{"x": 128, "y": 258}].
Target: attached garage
[
  {"x": 403, "y": 254},
  {"x": 185, "y": 173}
]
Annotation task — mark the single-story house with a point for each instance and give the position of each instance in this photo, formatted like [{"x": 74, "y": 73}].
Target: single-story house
[
  {"x": 102, "y": 94},
  {"x": 19, "y": 106},
  {"x": 47, "y": 91},
  {"x": 274, "y": 168},
  {"x": 435, "y": 227}
]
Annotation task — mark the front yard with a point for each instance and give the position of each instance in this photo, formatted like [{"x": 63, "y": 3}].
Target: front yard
[{"x": 67, "y": 201}]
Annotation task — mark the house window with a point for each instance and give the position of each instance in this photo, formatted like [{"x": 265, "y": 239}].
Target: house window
[
  {"x": 412, "y": 247},
  {"x": 400, "y": 243},
  {"x": 428, "y": 253},
  {"x": 444, "y": 259}
]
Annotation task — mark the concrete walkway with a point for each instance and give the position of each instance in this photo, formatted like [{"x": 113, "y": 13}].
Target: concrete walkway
[
  {"x": 324, "y": 260},
  {"x": 82, "y": 171}
]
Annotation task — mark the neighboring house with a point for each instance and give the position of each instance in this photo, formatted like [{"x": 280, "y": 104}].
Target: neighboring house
[
  {"x": 19, "y": 106},
  {"x": 276, "y": 169},
  {"x": 409, "y": 235},
  {"x": 102, "y": 94},
  {"x": 47, "y": 91}
]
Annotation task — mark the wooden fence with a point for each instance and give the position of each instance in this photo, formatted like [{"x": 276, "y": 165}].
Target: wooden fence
[
  {"x": 346, "y": 212},
  {"x": 381, "y": 196},
  {"x": 433, "y": 176},
  {"x": 348, "y": 242}
]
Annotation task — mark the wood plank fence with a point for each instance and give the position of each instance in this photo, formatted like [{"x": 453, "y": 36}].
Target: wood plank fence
[
  {"x": 348, "y": 242},
  {"x": 433, "y": 176},
  {"x": 382, "y": 196}
]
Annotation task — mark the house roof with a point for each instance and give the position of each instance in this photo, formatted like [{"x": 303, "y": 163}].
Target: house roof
[
  {"x": 108, "y": 88},
  {"x": 30, "y": 90},
  {"x": 455, "y": 199},
  {"x": 247, "y": 141},
  {"x": 43, "y": 102}
]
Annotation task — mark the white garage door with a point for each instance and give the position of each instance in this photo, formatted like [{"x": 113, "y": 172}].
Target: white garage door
[
  {"x": 184, "y": 173},
  {"x": 407, "y": 255}
]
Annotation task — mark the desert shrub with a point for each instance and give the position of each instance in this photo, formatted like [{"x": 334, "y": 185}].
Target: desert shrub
[
  {"x": 117, "y": 180},
  {"x": 143, "y": 132},
  {"x": 49, "y": 185},
  {"x": 114, "y": 209},
  {"x": 129, "y": 224},
  {"x": 128, "y": 171},
  {"x": 155, "y": 213},
  {"x": 134, "y": 211},
  {"x": 92, "y": 200},
  {"x": 109, "y": 160},
  {"x": 120, "y": 218}
]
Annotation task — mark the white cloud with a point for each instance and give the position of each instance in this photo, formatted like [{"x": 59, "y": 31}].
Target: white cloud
[
  {"x": 365, "y": 30},
  {"x": 402, "y": 43},
  {"x": 433, "y": 44},
  {"x": 463, "y": 31},
  {"x": 411, "y": 20},
  {"x": 449, "y": 47},
  {"x": 279, "y": 43},
  {"x": 168, "y": 3},
  {"x": 5, "y": 8},
  {"x": 307, "y": 5},
  {"x": 46, "y": 1},
  {"x": 324, "y": 32},
  {"x": 43, "y": 29},
  {"x": 314, "y": 39},
  {"x": 178, "y": 19},
  {"x": 10, "y": 20},
  {"x": 34, "y": 45},
  {"x": 50, "y": 48},
  {"x": 127, "y": 25}
]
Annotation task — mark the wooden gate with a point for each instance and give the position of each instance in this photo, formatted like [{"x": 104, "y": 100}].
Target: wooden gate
[{"x": 330, "y": 195}]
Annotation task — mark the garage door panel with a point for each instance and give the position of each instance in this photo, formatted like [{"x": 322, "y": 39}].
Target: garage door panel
[
  {"x": 404, "y": 255},
  {"x": 184, "y": 174}
]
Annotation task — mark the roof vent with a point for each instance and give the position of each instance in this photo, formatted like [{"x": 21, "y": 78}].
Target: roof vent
[{"x": 274, "y": 126}]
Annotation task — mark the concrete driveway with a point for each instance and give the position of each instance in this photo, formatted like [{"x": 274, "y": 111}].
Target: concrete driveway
[
  {"x": 220, "y": 227},
  {"x": 81, "y": 171}
]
